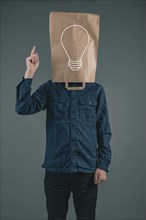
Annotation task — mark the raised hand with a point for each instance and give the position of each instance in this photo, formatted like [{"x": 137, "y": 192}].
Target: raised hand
[{"x": 32, "y": 63}]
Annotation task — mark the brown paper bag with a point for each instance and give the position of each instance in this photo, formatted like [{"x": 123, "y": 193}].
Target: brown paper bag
[{"x": 74, "y": 41}]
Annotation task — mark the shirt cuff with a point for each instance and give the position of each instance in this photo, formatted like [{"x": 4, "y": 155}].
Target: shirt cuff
[
  {"x": 26, "y": 78},
  {"x": 25, "y": 82},
  {"x": 102, "y": 167}
]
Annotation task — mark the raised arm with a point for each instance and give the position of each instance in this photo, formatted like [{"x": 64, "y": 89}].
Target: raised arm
[{"x": 26, "y": 103}]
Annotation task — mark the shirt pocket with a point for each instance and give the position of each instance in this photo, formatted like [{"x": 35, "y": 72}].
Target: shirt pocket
[
  {"x": 60, "y": 106},
  {"x": 88, "y": 108}
]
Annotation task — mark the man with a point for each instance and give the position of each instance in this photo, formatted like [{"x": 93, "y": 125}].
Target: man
[{"x": 78, "y": 133}]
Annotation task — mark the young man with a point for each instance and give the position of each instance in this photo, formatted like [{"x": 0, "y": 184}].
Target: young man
[{"x": 78, "y": 134}]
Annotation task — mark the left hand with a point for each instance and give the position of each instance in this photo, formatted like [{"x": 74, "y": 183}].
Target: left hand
[{"x": 99, "y": 176}]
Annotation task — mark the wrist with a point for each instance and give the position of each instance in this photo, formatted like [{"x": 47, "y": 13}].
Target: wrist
[{"x": 28, "y": 75}]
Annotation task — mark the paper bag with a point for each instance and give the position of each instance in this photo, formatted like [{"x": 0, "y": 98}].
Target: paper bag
[{"x": 74, "y": 41}]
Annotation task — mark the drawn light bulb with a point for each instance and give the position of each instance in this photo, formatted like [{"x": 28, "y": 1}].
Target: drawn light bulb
[{"x": 74, "y": 65}]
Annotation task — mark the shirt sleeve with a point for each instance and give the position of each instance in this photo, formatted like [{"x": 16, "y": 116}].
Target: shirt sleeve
[
  {"x": 104, "y": 133},
  {"x": 26, "y": 103}
]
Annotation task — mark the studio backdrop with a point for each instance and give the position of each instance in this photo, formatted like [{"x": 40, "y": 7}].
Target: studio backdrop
[{"x": 120, "y": 69}]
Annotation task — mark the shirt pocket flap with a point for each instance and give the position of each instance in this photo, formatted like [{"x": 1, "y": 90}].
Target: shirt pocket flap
[
  {"x": 91, "y": 101},
  {"x": 59, "y": 99}
]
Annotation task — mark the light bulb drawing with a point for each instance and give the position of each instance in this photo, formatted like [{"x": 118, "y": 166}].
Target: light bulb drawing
[{"x": 74, "y": 65}]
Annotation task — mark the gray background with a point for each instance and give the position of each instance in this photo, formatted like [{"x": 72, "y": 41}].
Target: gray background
[{"x": 121, "y": 68}]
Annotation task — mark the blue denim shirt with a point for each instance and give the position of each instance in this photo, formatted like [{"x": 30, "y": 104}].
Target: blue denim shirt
[{"x": 78, "y": 130}]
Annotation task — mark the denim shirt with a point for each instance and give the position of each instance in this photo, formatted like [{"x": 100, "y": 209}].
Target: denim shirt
[{"x": 78, "y": 130}]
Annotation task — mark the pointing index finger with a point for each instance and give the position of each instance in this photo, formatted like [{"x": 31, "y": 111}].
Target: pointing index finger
[{"x": 33, "y": 50}]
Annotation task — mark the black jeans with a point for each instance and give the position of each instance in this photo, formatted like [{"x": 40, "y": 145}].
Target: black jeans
[{"x": 57, "y": 188}]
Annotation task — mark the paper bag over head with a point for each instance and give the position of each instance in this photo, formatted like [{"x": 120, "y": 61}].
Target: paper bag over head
[{"x": 74, "y": 41}]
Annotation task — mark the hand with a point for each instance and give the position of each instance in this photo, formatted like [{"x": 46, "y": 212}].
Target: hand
[
  {"x": 99, "y": 176},
  {"x": 32, "y": 63}
]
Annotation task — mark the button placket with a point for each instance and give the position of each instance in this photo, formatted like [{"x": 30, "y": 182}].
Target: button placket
[{"x": 73, "y": 126}]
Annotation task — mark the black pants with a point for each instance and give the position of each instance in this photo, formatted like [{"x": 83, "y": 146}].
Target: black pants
[{"x": 57, "y": 190}]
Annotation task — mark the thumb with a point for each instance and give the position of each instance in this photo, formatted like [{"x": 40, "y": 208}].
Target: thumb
[{"x": 96, "y": 177}]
